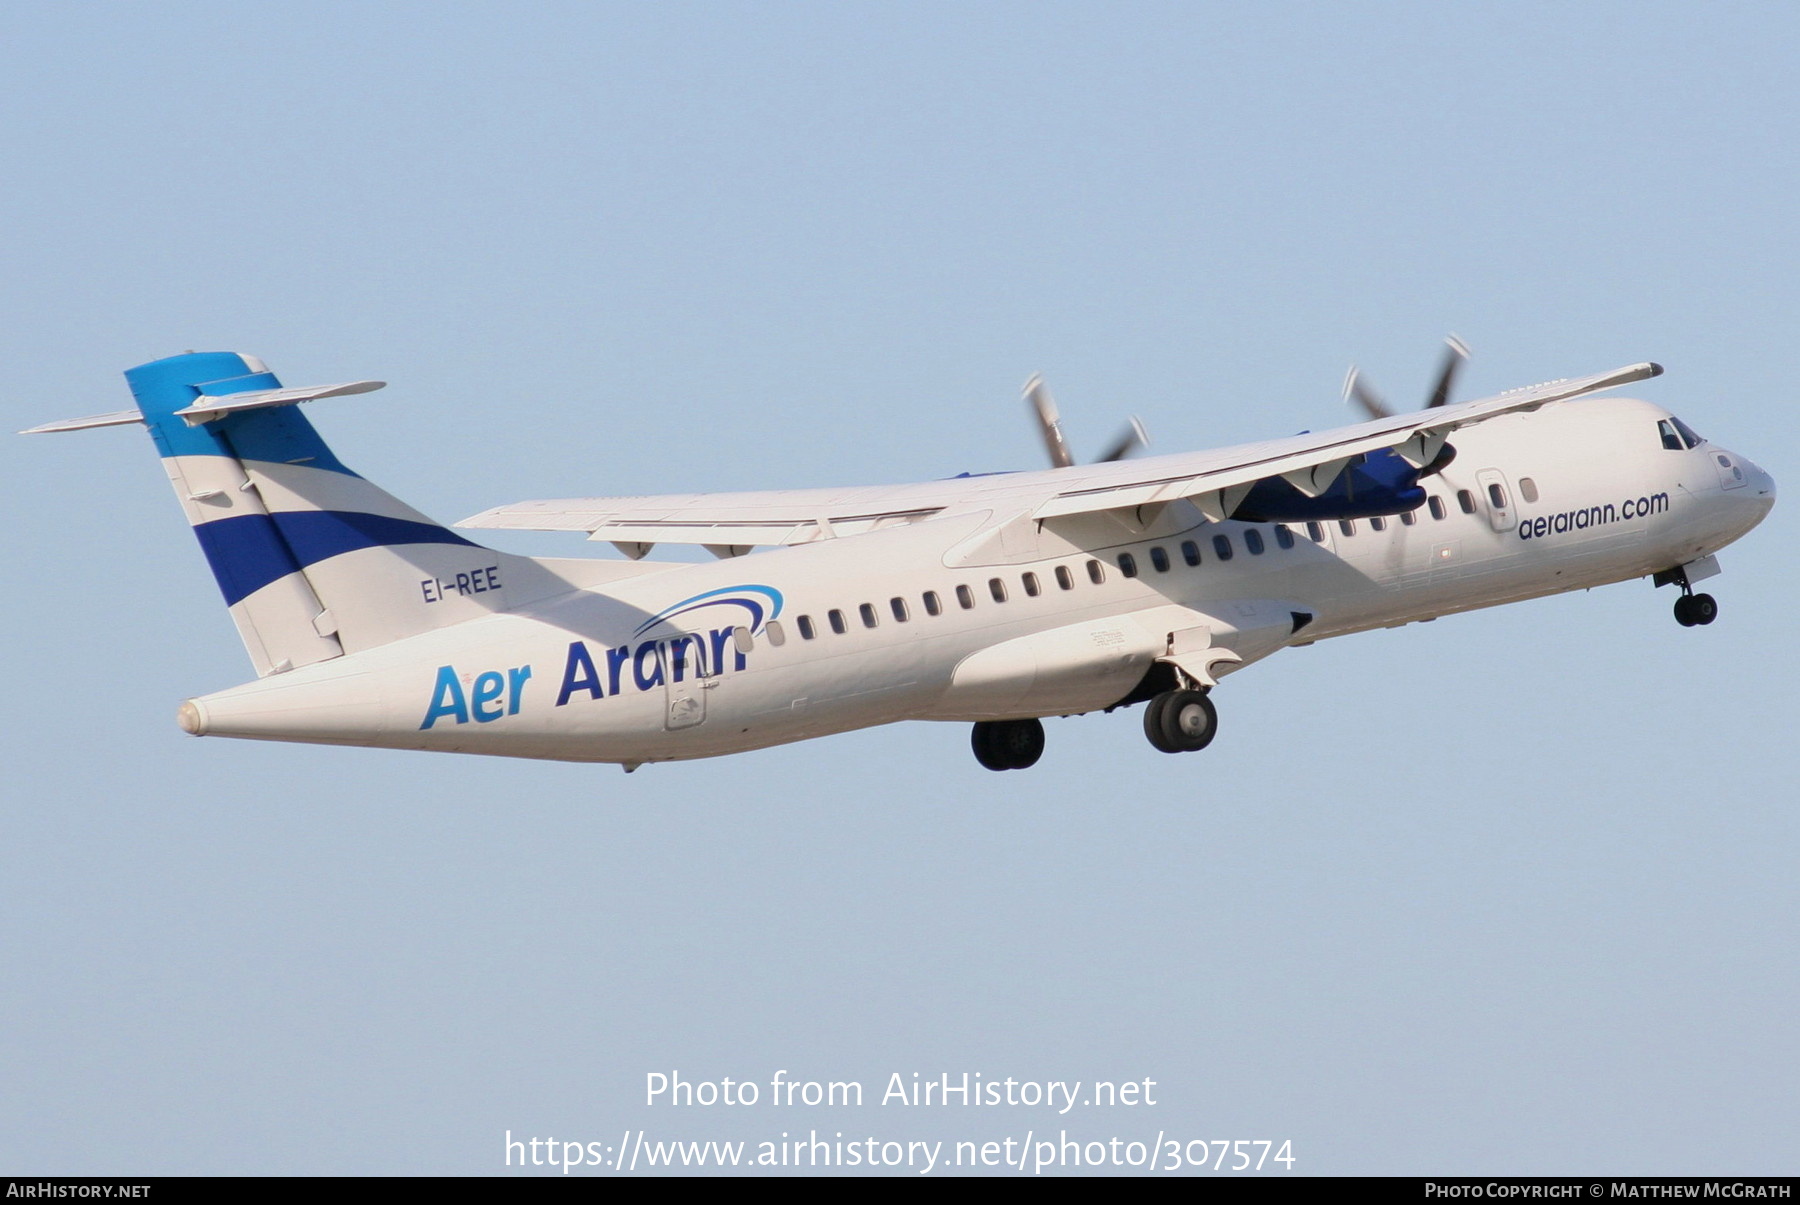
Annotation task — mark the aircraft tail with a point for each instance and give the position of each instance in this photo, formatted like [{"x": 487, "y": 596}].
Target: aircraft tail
[{"x": 313, "y": 560}]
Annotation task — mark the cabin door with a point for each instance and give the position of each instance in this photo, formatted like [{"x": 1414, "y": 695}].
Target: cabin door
[
  {"x": 685, "y": 677},
  {"x": 1497, "y": 496}
]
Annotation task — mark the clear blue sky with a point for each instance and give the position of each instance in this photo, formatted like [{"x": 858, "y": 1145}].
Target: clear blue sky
[{"x": 1513, "y": 891}]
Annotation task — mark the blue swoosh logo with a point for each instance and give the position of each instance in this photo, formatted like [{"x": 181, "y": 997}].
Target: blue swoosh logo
[{"x": 760, "y": 603}]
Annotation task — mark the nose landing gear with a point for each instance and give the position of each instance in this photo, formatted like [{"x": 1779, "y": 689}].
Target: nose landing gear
[
  {"x": 1695, "y": 610},
  {"x": 1008, "y": 744},
  {"x": 1181, "y": 721},
  {"x": 1691, "y": 610}
]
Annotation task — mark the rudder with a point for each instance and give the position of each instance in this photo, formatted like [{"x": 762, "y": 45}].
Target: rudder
[
  {"x": 281, "y": 619},
  {"x": 313, "y": 560}
]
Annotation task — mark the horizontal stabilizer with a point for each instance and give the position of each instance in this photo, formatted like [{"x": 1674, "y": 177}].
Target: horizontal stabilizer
[
  {"x": 208, "y": 408},
  {"x": 117, "y": 418}
]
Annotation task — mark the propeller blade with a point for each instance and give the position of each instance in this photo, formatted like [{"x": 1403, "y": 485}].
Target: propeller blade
[
  {"x": 1454, "y": 355},
  {"x": 1049, "y": 422},
  {"x": 1362, "y": 395},
  {"x": 1129, "y": 441}
]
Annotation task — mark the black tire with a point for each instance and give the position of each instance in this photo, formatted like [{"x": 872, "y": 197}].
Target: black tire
[
  {"x": 1181, "y": 721},
  {"x": 1703, "y": 608},
  {"x": 987, "y": 752},
  {"x": 1153, "y": 730},
  {"x": 1022, "y": 742},
  {"x": 1008, "y": 744},
  {"x": 1684, "y": 611},
  {"x": 1189, "y": 721}
]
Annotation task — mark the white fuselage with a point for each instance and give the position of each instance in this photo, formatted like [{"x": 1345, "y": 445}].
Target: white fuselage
[{"x": 1031, "y": 618}]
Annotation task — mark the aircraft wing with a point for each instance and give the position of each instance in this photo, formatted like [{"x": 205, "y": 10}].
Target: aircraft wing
[
  {"x": 1215, "y": 481},
  {"x": 730, "y": 524}
]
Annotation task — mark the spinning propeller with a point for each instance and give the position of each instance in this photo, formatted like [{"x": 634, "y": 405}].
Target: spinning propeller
[
  {"x": 1455, "y": 352},
  {"x": 1050, "y": 426}
]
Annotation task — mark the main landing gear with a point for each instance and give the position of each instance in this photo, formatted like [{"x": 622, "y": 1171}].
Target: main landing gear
[
  {"x": 1695, "y": 610},
  {"x": 1181, "y": 721},
  {"x": 1008, "y": 744},
  {"x": 1176, "y": 721}
]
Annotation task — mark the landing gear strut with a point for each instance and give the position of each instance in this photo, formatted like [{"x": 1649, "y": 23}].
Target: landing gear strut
[
  {"x": 1008, "y": 744},
  {"x": 1181, "y": 721}
]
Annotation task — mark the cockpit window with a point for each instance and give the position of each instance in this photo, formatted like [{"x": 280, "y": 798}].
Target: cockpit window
[
  {"x": 1677, "y": 435},
  {"x": 1687, "y": 432}
]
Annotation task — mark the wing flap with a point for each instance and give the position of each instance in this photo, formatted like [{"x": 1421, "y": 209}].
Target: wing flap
[{"x": 769, "y": 517}]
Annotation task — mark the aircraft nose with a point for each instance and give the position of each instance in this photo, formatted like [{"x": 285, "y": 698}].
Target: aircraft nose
[
  {"x": 1750, "y": 502},
  {"x": 1761, "y": 484}
]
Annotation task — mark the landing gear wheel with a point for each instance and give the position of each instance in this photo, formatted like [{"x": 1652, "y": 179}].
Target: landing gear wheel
[
  {"x": 1696, "y": 609},
  {"x": 1008, "y": 744},
  {"x": 1181, "y": 721}
]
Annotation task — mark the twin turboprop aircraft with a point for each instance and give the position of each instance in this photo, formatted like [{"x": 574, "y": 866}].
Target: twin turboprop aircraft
[{"x": 993, "y": 600}]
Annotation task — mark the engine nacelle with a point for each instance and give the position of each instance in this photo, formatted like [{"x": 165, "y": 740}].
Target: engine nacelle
[{"x": 1380, "y": 483}]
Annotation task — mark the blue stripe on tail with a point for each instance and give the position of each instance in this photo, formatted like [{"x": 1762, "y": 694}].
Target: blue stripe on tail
[
  {"x": 247, "y": 552},
  {"x": 250, "y": 551}
]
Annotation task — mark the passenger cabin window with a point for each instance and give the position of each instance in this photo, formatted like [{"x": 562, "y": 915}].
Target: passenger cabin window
[
  {"x": 805, "y": 624},
  {"x": 1190, "y": 552},
  {"x": 1437, "y": 506},
  {"x": 1347, "y": 526},
  {"x": 898, "y": 606},
  {"x": 1222, "y": 546},
  {"x": 1377, "y": 523},
  {"x": 1408, "y": 518},
  {"x": 1127, "y": 564},
  {"x": 1316, "y": 532},
  {"x": 1030, "y": 582},
  {"x": 1528, "y": 489},
  {"x": 867, "y": 611},
  {"x": 1064, "y": 578},
  {"x": 774, "y": 632},
  {"x": 1096, "y": 572},
  {"x": 965, "y": 598},
  {"x": 1466, "y": 501},
  {"x": 837, "y": 621},
  {"x": 1497, "y": 495},
  {"x": 997, "y": 588},
  {"x": 933, "y": 605},
  {"x": 1284, "y": 537},
  {"x": 1253, "y": 541},
  {"x": 1159, "y": 560}
]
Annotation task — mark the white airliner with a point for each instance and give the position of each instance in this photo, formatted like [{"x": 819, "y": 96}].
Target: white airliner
[{"x": 992, "y": 599}]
